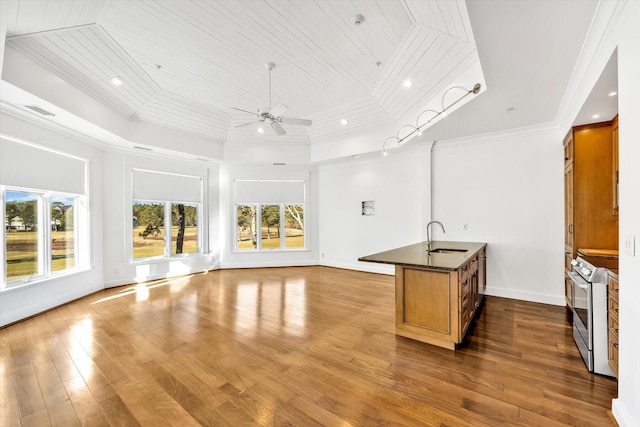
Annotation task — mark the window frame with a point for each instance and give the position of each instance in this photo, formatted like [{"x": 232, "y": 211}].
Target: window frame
[
  {"x": 44, "y": 246},
  {"x": 281, "y": 229},
  {"x": 167, "y": 255}
]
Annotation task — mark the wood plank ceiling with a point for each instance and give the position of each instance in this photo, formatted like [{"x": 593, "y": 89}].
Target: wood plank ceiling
[{"x": 186, "y": 63}]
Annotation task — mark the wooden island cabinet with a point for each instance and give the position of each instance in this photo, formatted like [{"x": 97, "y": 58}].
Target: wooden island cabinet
[{"x": 436, "y": 294}]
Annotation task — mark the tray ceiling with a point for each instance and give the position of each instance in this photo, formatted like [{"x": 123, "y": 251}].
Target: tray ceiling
[{"x": 186, "y": 63}]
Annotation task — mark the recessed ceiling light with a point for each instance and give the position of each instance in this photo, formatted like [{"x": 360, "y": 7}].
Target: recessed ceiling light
[
  {"x": 344, "y": 122},
  {"x": 407, "y": 83},
  {"x": 357, "y": 19},
  {"x": 117, "y": 81},
  {"x": 614, "y": 93},
  {"x": 260, "y": 130},
  {"x": 595, "y": 116}
]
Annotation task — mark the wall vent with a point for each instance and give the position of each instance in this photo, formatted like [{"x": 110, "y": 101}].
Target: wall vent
[{"x": 40, "y": 110}]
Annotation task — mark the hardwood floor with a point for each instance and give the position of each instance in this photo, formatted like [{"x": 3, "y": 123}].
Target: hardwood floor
[{"x": 298, "y": 346}]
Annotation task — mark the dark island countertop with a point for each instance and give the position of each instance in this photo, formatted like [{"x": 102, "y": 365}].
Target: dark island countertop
[{"x": 416, "y": 255}]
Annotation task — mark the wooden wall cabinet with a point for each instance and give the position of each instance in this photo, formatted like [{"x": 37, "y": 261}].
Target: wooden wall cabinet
[
  {"x": 613, "y": 322},
  {"x": 616, "y": 167},
  {"x": 588, "y": 192},
  {"x": 437, "y": 306}
]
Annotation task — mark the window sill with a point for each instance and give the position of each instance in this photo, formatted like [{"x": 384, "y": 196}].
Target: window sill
[
  {"x": 157, "y": 260},
  {"x": 17, "y": 286}
]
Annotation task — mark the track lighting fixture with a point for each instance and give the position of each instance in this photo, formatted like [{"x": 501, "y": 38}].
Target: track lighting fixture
[{"x": 422, "y": 125}]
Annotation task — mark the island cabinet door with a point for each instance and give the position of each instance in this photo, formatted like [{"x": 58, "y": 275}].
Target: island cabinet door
[{"x": 424, "y": 301}]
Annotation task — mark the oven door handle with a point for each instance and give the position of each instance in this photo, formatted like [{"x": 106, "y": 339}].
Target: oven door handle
[{"x": 578, "y": 280}]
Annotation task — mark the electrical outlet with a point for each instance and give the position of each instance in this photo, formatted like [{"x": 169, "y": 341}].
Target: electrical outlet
[
  {"x": 465, "y": 227},
  {"x": 630, "y": 245}
]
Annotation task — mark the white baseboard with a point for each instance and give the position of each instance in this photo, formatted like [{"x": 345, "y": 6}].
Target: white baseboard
[
  {"x": 621, "y": 414},
  {"x": 526, "y": 296},
  {"x": 230, "y": 265},
  {"x": 10, "y": 316}
]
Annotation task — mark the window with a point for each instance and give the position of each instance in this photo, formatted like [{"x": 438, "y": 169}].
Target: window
[
  {"x": 148, "y": 229},
  {"x": 33, "y": 249},
  {"x": 184, "y": 228},
  {"x": 63, "y": 238},
  {"x": 246, "y": 227},
  {"x": 294, "y": 226},
  {"x": 150, "y": 236},
  {"x": 165, "y": 214},
  {"x": 269, "y": 214},
  {"x": 281, "y": 227}
]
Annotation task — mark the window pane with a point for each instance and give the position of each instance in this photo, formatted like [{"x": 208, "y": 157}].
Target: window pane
[
  {"x": 148, "y": 229},
  {"x": 184, "y": 229},
  {"x": 62, "y": 233},
  {"x": 294, "y": 226},
  {"x": 270, "y": 227},
  {"x": 21, "y": 225},
  {"x": 246, "y": 227}
]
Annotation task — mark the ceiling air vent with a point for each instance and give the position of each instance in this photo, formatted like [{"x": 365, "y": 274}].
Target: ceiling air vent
[
  {"x": 278, "y": 164},
  {"x": 40, "y": 110}
]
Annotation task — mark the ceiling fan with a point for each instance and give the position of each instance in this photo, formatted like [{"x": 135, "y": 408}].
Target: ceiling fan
[{"x": 273, "y": 115}]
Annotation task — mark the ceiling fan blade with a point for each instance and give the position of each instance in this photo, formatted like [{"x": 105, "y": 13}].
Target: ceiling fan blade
[
  {"x": 250, "y": 123},
  {"x": 278, "y": 109},
  {"x": 277, "y": 128},
  {"x": 294, "y": 121},
  {"x": 245, "y": 111}
]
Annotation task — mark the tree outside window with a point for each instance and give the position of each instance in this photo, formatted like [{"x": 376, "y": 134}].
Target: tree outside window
[
  {"x": 270, "y": 230},
  {"x": 148, "y": 229},
  {"x": 246, "y": 217},
  {"x": 294, "y": 226},
  {"x": 184, "y": 228}
]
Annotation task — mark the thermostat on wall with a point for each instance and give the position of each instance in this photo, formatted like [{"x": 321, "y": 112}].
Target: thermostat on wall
[{"x": 368, "y": 208}]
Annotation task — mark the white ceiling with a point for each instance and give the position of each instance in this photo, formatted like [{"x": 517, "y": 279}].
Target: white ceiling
[{"x": 186, "y": 63}]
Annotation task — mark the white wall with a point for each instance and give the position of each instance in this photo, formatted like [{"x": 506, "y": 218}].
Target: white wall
[
  {"x": 398, "y": 184},
  {"x": 626, "y": 407},
  {"x": 20, "y": 302},
  {"x": 118, "y": 268},
  {"x": 508, "y": 190},
  {"x": 229, "y": 258}
]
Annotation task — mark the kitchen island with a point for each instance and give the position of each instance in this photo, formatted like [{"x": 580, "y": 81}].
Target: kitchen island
[{"x": 437, "y": 291}]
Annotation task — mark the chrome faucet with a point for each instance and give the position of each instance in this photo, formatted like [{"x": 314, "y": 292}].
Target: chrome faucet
[{"x": 428, "y": 238}]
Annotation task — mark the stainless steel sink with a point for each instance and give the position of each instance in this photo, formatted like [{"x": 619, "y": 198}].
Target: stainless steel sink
[{"x": 448, "y": 250}]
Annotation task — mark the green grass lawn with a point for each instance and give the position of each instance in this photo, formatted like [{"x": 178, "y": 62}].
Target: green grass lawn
[
  {"x": 22, "y": 253},
  {"x": 291, "y": 242},
  {"x": 152, "y": 246}
]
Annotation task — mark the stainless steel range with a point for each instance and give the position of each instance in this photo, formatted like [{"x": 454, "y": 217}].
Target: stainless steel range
[{"x": 589, "y": 288}]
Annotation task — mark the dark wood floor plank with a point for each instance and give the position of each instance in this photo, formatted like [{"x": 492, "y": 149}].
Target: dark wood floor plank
[{"x": 296, "y": 346}]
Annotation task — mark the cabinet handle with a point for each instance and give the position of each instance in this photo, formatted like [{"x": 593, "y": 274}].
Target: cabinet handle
[
  {"x": 615, "y": 344},
  {"x": 571, "y": 228},
  {"x": 616, "y": 329}
]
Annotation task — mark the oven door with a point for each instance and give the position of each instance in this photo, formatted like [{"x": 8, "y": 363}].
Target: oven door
[{"x": 581, "y": 290}]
